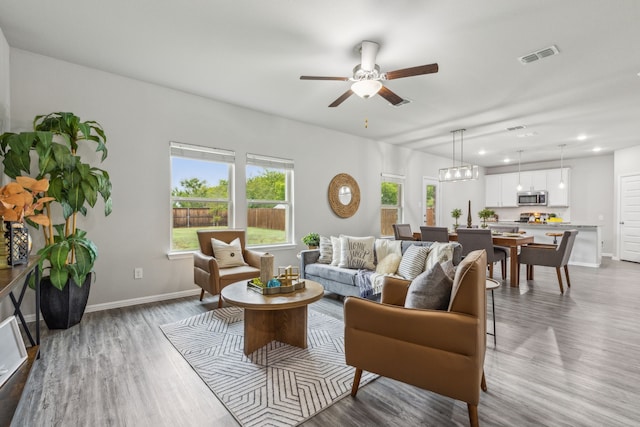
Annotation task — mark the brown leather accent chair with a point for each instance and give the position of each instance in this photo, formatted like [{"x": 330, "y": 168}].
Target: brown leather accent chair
[
  {"x": 212, "y": 278},
  {"x": 440, "y": 351},
  {"x": 402, "y": 232},
  {"x": 550, "y": 256},
  {"x": 434, "y": 234}
]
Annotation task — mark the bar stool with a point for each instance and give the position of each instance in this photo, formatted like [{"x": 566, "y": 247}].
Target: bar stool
[
  {"x": 555, "y": 236},
  {"x": 490, "y": 285}
]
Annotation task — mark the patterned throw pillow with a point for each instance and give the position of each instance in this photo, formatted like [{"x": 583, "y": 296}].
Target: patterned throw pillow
[
  {"x": 413, "y": 261},
  {"x": 439, "y": 253},
  {"x": 357, "y": 252},
  {"x": 326, "y": 250},
  {"x": 431, "y": 290},
  {"x": 228, "y": 254}
]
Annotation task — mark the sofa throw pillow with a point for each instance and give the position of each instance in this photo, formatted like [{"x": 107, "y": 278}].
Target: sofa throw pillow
[
  {"x": 384, "y": 247},
  {"x": 439, "y": 252},
  {"x": 335, "y": 248},
  {"x": 389, "y": 265},
  {"x": 413, "y": 261},
  {"x": 357, "y": 252},
  {"x": 228, "y": 254},
  {"x": 430, "y": 290},
  {"x": 326, "y": 250}
]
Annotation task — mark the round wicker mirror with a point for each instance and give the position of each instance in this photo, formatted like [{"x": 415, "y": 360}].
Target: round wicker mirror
[{"x": 344, "y": 195}]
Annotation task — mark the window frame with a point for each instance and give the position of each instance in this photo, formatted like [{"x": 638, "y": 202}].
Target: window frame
[
  {"x": 205, "y": 154},
  {"x": 400, "y": 181},
  {"x": 279, "y": 163}
]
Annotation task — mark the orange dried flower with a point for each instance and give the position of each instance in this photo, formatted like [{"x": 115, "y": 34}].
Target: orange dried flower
[{"x": 18, "y": 200}]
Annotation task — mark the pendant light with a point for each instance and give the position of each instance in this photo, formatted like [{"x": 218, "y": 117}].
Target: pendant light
[
  {"x": 519, "y": 187},
  {"x": 463, "y": 172},
  {"x": 561, "y": 185}
]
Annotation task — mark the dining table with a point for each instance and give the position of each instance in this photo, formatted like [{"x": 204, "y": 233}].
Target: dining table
[{"x": 513, "y": 241}]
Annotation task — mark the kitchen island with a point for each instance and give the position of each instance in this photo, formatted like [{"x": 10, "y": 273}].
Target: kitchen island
[{"x": 587, "y": 249}]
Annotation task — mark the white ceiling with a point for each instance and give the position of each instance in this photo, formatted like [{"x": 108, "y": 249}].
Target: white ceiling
[{"x": 252, "y": 52}]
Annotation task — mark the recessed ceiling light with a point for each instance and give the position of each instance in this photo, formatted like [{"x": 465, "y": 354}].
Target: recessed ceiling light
[
  {"x": 506, "y": 160},
  {"x": 581, "y": 137},
  {"x": 596, "y": 149},
  {"x": 526, "y": 135},
  {"x": 482, "y": 152}
]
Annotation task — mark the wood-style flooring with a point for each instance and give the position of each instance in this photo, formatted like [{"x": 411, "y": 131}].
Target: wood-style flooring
[{"x": 560, "y": 360}]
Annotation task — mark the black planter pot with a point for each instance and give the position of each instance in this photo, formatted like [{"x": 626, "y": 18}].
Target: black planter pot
[{"x": 63, "y": 309}]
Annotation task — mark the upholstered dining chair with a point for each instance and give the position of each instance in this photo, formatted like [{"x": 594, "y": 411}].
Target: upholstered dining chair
[
  {"x": 505, "y": 228},
  {"x": 434, "y": 234},
  {"x": 208, "y": 274},
  {"x": 437, "y": 350},
  {"x": 473, "y": 239},
  {"x": 403, "y": 232},
  {"x": 550, "y": 256}
]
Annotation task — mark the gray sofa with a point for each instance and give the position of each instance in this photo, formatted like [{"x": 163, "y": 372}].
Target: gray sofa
[{"x": 342, "y": 281}]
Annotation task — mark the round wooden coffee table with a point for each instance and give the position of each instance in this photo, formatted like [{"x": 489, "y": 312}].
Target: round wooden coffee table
[{"x": 280, "y": 317}]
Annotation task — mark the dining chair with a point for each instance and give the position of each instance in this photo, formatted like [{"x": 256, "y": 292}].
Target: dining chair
[
  {"x": 505, "y": 228},
  {"x": 549, "y": 256},
  {"x": 403, "y": 232},
  {"x": 434, "y": 234},
  {"x": 473, "y": 239}
]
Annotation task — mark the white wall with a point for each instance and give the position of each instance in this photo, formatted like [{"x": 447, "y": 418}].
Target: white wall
[
  {"x": 140, "y": 119},
  {"x": 5, "y": 93}
]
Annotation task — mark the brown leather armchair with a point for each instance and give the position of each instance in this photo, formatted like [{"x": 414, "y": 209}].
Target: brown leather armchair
[
  {"x": 441, "y": 351},
  {"x": 206, "y": 272}
]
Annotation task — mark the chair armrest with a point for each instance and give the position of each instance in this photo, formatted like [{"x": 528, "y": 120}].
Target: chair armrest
[
  {"x": 206, "y": 263},
  {"x": 252, "y": 257},
  {"x": 394, "y": 290},
  {"x": 541, "y": 245},
  {"x": 308, "y": 256},
  {"x": 444, "y": 330}
]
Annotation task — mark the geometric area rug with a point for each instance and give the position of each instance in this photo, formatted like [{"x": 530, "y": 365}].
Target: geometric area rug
[{"x": 276, "y": 385}]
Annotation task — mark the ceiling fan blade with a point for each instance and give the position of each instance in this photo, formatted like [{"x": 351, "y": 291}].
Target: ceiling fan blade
[
  {"x": 368, "y": 52},
  {"x": 341, "y": 99},
  {"x": 389, "y": 96},
  {"x": 413, "y": 71},
  {"x": 342, "y": 79}
]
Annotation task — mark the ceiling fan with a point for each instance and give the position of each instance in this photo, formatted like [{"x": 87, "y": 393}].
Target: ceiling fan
[{"x": 367, "y": 76}]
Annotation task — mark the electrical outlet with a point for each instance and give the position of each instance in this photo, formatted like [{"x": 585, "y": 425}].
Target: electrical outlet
[{"x": 137, "y": 273}]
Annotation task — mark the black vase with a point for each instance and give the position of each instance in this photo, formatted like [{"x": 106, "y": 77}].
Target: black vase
[{"x": 62, "y": 309}]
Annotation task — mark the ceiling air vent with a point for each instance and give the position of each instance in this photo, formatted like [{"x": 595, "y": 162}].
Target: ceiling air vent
[
  {"x": 519, "y": 127},
  {"x": 542, "y": 53}
]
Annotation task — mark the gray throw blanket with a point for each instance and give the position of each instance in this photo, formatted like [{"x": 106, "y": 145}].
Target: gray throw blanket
[{"x": 363, "y": 281}]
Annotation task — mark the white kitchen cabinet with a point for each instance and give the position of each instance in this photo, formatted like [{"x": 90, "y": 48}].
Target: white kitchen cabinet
[
  {"x": 501, "y": 191},
  {"x": 558, "y": 196},
  {"x": 533, "y": 180}
]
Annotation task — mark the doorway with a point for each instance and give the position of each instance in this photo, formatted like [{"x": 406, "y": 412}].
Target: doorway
[
  {"x": 430, "y": 195},
  {"x": 630, "y": 218}
]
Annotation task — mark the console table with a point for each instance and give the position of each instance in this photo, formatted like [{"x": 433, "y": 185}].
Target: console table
[{"x": 10, "y": 279}]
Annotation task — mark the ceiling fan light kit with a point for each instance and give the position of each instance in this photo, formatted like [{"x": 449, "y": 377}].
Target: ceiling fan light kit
[
  {"x": 367, "y": 78},
  {"x": 462, "y": 172}
]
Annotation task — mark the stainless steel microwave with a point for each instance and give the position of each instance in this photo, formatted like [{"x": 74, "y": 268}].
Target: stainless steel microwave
[{"x": 532, "y": 198}]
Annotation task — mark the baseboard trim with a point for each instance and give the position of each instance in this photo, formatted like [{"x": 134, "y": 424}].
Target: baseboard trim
[{"x": 130, "y": 302}]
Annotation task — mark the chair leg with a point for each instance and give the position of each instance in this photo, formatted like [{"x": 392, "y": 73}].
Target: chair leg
[
  {"x": 503, "y": 264},
  {"x": 473, "y": 415},
  {"x": 483, "y": 383},
  {"x": 356, "y": 382},
  {"x": 566, "y": 273},
  {"x": 219, "y": 301},
  {"x": 491, "y": 270},
  {"x": 529, "y": 272},
  {"x": 560, "y": 280},
  {"x": 201, "y": 294}
]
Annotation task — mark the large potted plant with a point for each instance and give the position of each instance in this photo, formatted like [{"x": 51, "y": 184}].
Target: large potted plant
[{"x": 68, "y": 256}]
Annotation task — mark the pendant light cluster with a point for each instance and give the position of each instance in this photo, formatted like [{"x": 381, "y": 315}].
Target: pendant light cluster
[{"x": 462, "y": 172}]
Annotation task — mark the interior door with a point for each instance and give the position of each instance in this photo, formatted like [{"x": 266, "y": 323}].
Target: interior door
[
  {"x": 630, "y": 218},
  {"x": 430, "y": 201}
]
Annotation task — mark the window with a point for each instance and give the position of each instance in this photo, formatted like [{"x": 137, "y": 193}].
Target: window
[
  {"x": 391, "y": 203},
  {"x": 269, "y": 200},
  {"x": 201, "y": 183}
]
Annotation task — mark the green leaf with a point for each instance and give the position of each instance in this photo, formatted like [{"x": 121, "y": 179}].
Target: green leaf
[
  {"x": 59, "y": 255},
  {"x": 67, "y": 211},
  {"x": 56, "y": 186},
  {"x": 108, "y": 206},
  {"x": 59, "y": 277},
  {"x": 75, "y": 196},
  {"x": 90, "y": 193}
]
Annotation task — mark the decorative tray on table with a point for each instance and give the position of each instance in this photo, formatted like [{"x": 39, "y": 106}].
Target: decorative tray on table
[
  {"x": 287, "y": 280},
  {"x": 276, "y": 289}
]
